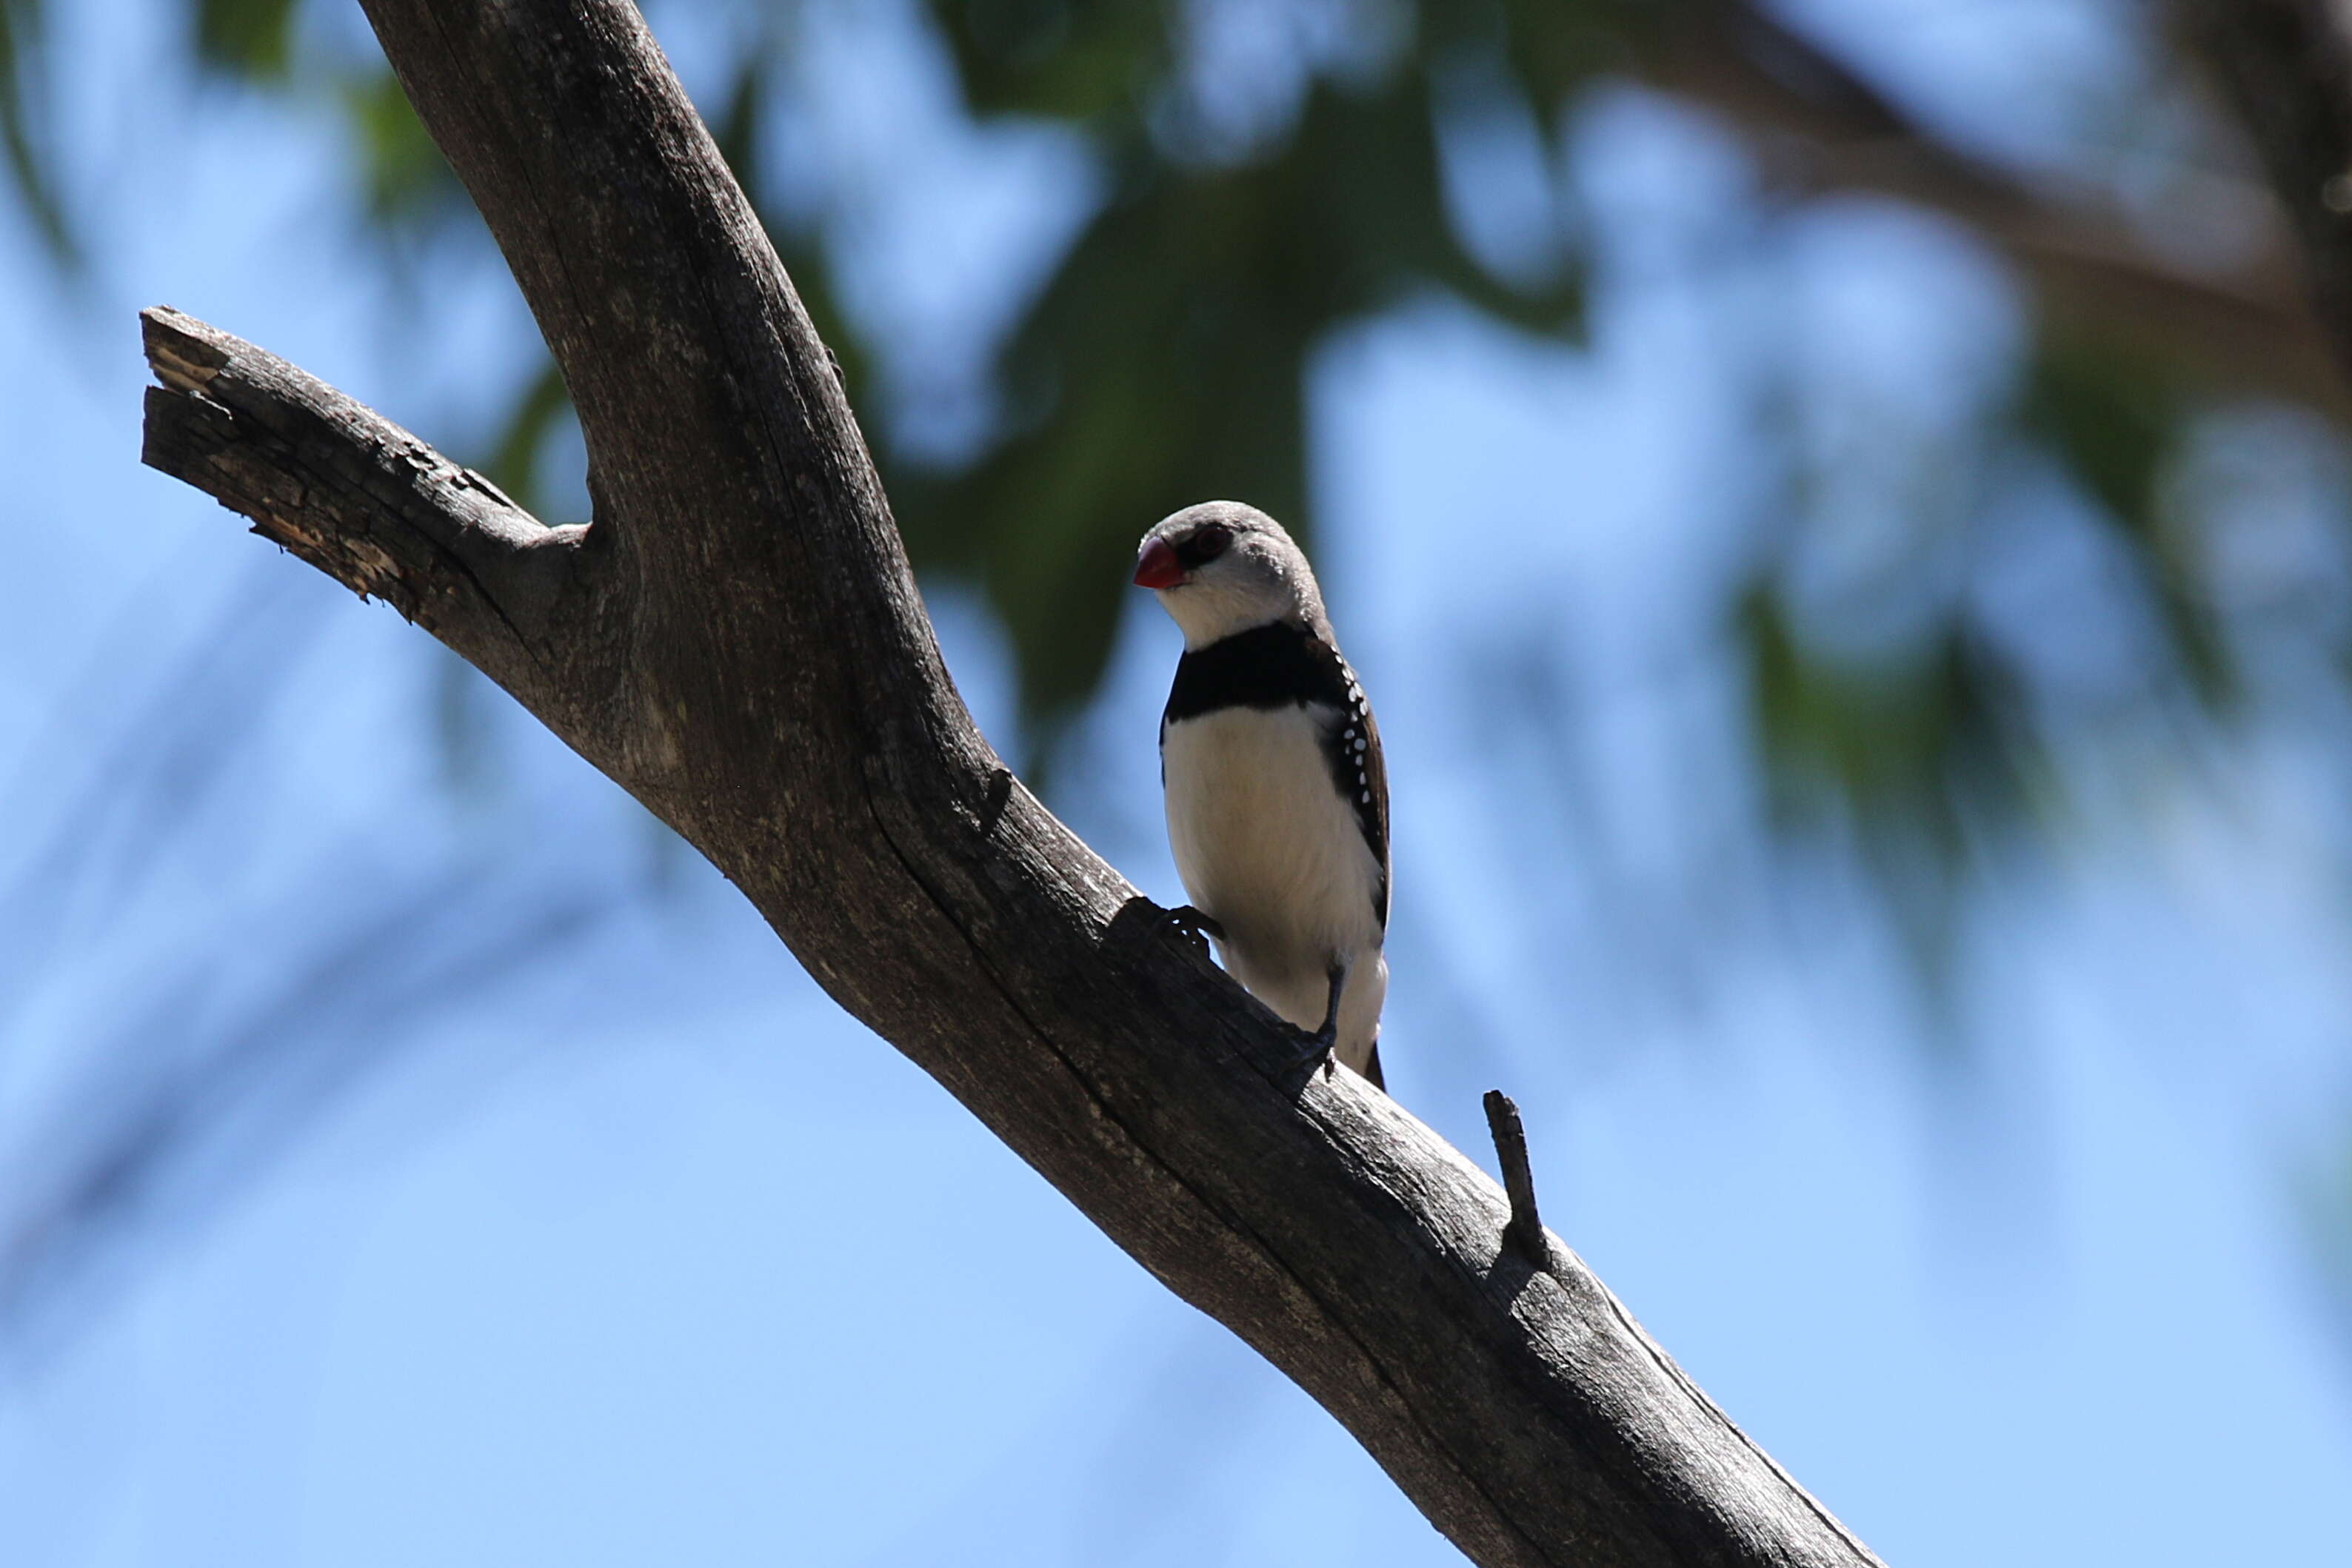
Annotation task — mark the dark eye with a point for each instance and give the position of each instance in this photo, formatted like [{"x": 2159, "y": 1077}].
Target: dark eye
[{"x": 1208, "y": 542}]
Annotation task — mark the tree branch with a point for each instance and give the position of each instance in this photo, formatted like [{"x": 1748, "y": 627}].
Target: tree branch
[
  {"x": 1523, "y": 1232},
  {"x": 362, "y": 501},
  {"x": 1819, "y": 127},
  {"x": 2285, "y": 66},
  {"x": 737, "y": 641}
]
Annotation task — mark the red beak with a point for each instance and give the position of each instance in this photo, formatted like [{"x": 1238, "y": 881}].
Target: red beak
[{"x": 1157, "y": 567}]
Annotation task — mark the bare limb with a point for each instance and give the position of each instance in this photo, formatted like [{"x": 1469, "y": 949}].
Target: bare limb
[
  {"x": 1819, "y": 127},
  {"x": 2285, "y": 66},
  {"x": 360, "y": 499},
  {"x": 737, "y": 641},
  {"x": 1524, "y": 1233}
]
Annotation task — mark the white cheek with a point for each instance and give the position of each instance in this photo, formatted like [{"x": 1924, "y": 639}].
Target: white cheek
[{"x": 1217, "y": 603}]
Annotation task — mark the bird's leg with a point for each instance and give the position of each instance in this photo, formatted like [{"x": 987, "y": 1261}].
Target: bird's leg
[
  {"x": 1318, "y": 1051},
  {"x": 1192, "y": 925},
  {"x": 1329, "y": 1033}
]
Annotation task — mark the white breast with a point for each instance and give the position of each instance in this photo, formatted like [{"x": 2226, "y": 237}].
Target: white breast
[{"x": 1267, "y": 845}]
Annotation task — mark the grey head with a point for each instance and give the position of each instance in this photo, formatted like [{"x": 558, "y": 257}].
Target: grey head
[{"x": 1222, "y": 567}]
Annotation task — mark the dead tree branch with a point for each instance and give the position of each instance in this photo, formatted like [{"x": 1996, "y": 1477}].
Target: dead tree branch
[
  {"x": 1523, "y": 1232},
  {"x": 2285, "y": 67},
  {"x": 1817, "y": 127},
  {"x": 737, "y": 641}
]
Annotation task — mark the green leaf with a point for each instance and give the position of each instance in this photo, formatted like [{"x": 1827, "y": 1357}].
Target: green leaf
[
  {"x": 1918, "y": 752},
  {"x": 249, "y": 38},
  {"x": 515, "y": 459},
  {"x": 2114, "y": 419},
  {"x": 1072, "y": 60},
  {"x": 23, "y": 81},
  {"x": 1164, "y": 362},
  {"x": 403, "y": 172},
  {"x": 1921, "y": 736}
]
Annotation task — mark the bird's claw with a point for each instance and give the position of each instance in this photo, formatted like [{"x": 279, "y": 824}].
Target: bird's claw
[
  {"x": 1316, "y": 1049},
  {"x": 1195, "y": 926}
]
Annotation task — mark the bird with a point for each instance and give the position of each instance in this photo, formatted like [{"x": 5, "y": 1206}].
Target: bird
[{"x": 1277, "y": 794}]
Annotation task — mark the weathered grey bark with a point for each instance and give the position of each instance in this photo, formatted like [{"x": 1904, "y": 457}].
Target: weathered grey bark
[
  {"x": 737, "y": 641},
  {"x": 2285, "y": 67}
]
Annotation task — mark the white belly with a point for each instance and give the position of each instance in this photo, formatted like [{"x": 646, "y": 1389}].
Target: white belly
[{"x": 1268, "y": 848}]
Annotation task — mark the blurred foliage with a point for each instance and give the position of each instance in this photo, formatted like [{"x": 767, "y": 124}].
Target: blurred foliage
[
  {"x": 1163, "y": 362},
  {"x": 1923, "y": 755},
  {"x": 2325, "y": 1199},
  {"x": 23, "y": 124},
  {"x": 2114, "y": 418},
  {"x": 1164, "y": 358},
  {"x": 252, "y": 39},
  {"x": 403, "y": 175},
  {"x": 1914, "y": 741}
]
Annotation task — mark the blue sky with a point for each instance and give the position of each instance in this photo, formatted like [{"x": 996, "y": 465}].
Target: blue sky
[{"x": 636, "y": 1250}]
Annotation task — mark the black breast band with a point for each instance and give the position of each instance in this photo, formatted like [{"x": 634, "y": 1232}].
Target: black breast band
[{"x": 1271, "y": 666}]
